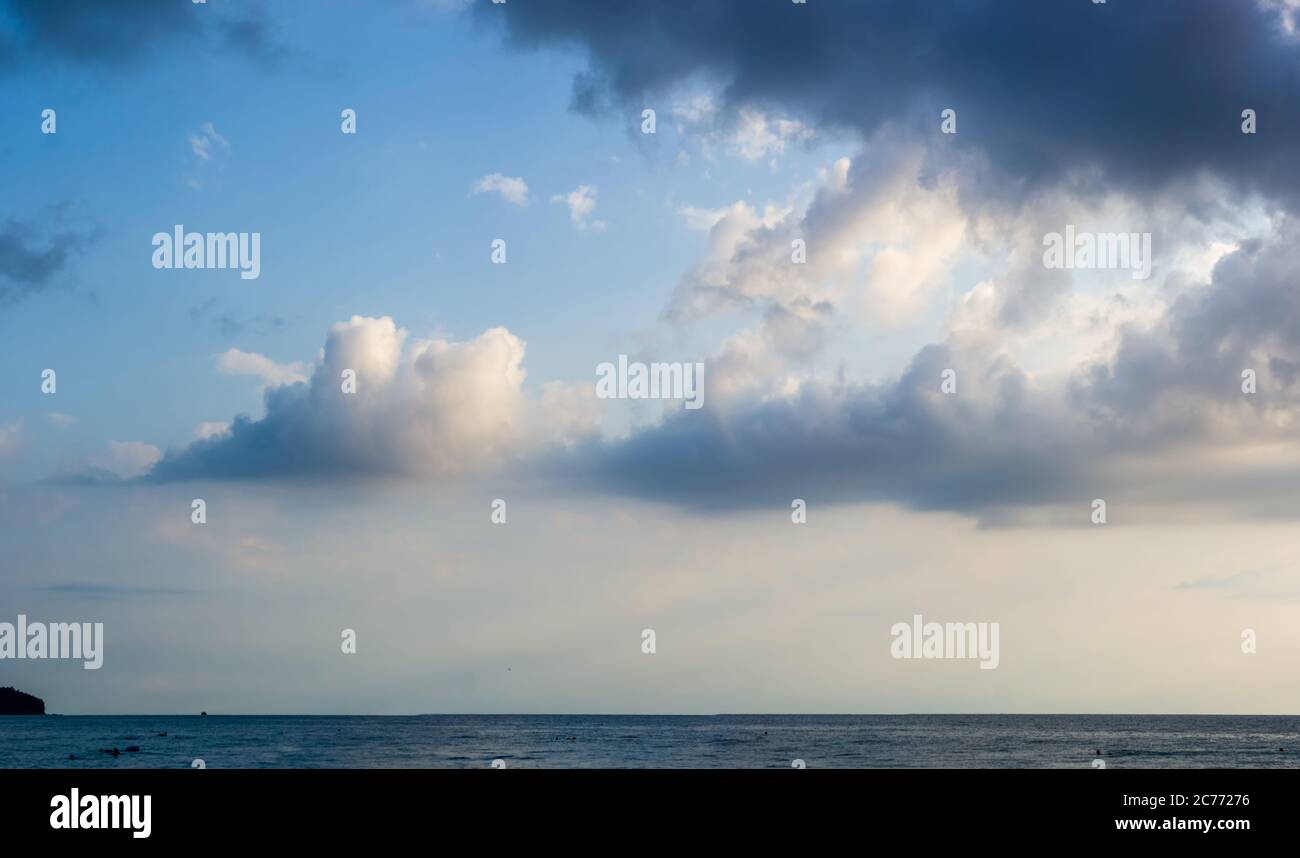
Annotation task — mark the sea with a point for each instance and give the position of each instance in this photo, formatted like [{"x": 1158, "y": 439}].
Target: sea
[{"x": 650, "y": 741}]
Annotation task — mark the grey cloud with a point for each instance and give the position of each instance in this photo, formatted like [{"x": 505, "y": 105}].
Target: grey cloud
[
  {"x": 96, "y": 31},
  {"x": 1136, "y": 93},
  {"x": 903, "y": 442},
  {"x": 798, "y": 330},
  {"x": 1247, "y": 318},
  {"x": 32, "y": 256},
  {"x": 256, "y": 36},
  {"x": 125, "y": 32}
]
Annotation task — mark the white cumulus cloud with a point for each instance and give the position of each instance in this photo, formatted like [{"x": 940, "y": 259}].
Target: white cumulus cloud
[
  {"x": 421, "y": 408},
  {"x": 581, "y": 202},
  {"x": 511, "y": 189},
  {"x": 236, "y": 362}
]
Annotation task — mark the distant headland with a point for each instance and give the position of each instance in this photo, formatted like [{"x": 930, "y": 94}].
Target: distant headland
[{"x": 15, "y": 702}]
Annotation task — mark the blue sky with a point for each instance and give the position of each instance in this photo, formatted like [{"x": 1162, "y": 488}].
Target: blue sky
[{"x": 776, "y": 123}]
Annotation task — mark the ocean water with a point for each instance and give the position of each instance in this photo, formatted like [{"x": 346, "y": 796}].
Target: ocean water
[{"x": 653, "y": 741}]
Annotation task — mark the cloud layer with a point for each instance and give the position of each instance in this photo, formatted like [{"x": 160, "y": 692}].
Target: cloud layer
[{"x": 1064, "y": 380}]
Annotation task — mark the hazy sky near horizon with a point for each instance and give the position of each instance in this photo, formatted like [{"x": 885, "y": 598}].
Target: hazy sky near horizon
[{"x": 776, "y": 123}]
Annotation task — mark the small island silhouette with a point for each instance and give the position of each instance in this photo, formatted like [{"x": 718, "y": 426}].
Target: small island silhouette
[{"x": 15, "y": 702}]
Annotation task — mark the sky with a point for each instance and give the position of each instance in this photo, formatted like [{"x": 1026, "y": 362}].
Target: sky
[{"x": 837, "y": 211}]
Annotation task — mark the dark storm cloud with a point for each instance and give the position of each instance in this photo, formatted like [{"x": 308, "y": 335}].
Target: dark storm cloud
[
  {"x": 118, "y": 32},
  {"x": 1144, "y": 93}
]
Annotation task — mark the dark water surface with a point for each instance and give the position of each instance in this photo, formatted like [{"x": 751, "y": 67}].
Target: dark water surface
[{"x": 654, "y": 741}]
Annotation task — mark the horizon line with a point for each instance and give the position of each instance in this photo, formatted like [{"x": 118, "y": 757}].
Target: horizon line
[{"x": 660, "y": 715}]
